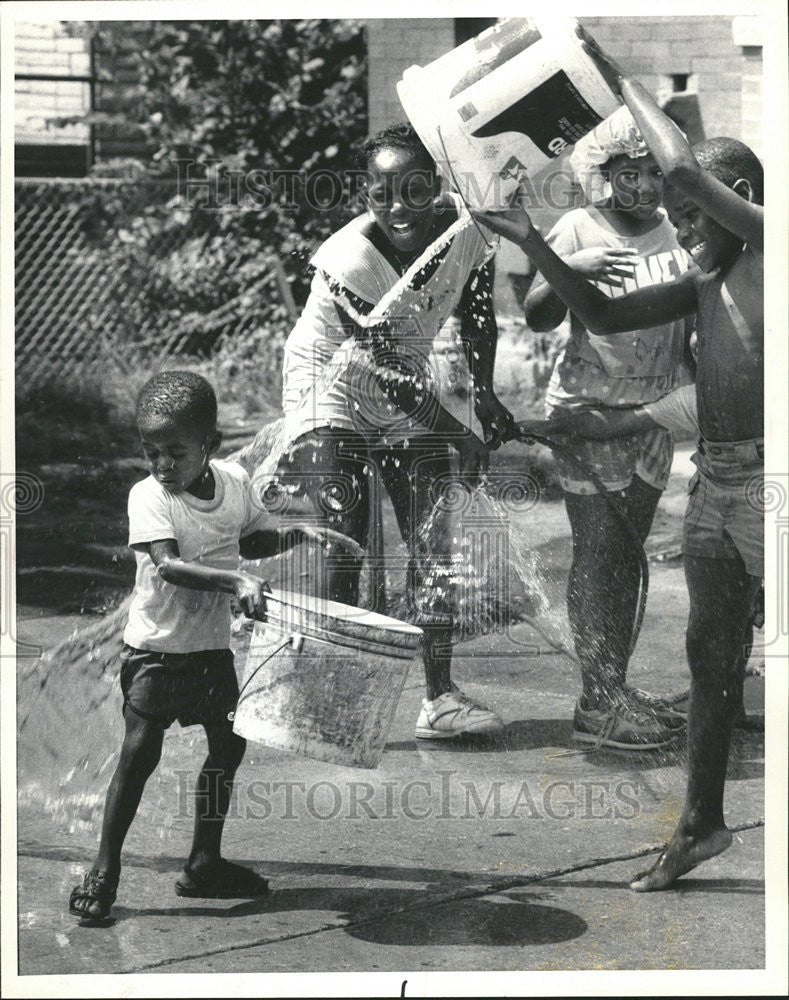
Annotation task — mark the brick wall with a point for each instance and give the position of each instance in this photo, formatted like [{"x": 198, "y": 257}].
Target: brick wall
[
  {"x": 725, "y": 75},
  {"x": 721, "y": 55},
  {"x": 394, "y": 44},
  {"x": 48, "y": 48},
  {"x": 54, "y": 48},
  {"x": 116, "y": 88}
]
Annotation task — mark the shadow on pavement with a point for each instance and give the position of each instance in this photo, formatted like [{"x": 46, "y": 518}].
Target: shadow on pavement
[
  {"x": 478, "y": 922},
  {"x": 164, "y": 863},
  {"x": 507, "y": 921}
]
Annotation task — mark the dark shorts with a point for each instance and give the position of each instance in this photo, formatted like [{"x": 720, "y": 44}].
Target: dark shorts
[{"x": 190, "y": 687}]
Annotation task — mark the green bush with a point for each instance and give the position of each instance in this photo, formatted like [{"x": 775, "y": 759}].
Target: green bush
[
  {"x": 185, "y": 282},
  {"x": 225, "y": 103},
  {"x": 69, "y": 420}
]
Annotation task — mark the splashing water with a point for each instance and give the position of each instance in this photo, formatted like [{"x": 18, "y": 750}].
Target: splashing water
[
  {"x": 489, "y": 571},
  {"x": 70, "y": 731},
  {"x": 495, "y": 578},
  {"x": 399, "y": 311},
  {"x": 70, "y": 723}
]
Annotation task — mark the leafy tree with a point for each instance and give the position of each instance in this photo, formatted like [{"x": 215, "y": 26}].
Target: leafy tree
[{"x": 261, "y": 117}]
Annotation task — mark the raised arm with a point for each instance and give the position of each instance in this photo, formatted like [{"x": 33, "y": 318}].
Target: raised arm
[
  {"x": 725, "y": 205},
  {"x": 651, "y": 306}
]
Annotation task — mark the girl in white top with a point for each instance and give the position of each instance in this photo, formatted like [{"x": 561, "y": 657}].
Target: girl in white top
[
  {"x": 358, "y": 389},
  {"x": 623, "y": 241}
]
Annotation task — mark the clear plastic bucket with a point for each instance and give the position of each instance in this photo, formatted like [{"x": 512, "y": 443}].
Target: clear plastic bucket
[
  {"x": 323, "y": 679},
  {"x": 502, "y": 106}
]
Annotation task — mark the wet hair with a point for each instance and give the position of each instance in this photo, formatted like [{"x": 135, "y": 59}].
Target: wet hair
[
  {"x": 398, "y": 136},
  {"x": 178, "y": 396},
  {"x": 731, "y": 160}
]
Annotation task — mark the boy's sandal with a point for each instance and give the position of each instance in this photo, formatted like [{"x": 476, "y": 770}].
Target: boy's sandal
[
  {"x": 221, "y": 880},
  {"x": 98, "y": 893}
]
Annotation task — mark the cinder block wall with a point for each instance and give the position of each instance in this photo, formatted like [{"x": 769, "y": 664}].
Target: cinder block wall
[
  {"x": 727, "y": 72},
  {"x": 51, "y": 48},
  {"x": 117, "y": 81},
  {"x": 721, "y": 55}
]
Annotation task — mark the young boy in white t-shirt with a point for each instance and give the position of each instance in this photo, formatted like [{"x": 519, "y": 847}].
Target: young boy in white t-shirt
[{"x": 188, "y": 523}]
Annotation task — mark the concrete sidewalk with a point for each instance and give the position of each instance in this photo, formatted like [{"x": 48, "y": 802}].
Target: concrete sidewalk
[{"x": 504, "y": 855}]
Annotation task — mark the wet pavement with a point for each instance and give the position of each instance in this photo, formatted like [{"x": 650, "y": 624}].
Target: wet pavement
[{"x": 506, "y": 855}]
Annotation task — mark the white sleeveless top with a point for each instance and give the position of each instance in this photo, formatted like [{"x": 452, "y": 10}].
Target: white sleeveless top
[{"x": 354, "y": 281}]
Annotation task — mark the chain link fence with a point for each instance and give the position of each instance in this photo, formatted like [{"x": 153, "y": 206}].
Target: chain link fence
[{"x": 117, "y": 273}]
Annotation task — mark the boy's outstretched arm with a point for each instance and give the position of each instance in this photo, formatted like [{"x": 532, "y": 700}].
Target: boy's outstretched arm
[
  {"x": 646, "y": 307},
  {"x": 544, "y": 309},
  {"x": 270, "y": 542},
  {"x": 249, "y": 590},
  {"x": 675, "y": 157},
  {"x": 605, "y": 422}
]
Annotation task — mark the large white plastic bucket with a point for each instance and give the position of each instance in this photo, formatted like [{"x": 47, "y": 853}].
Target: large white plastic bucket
[
  {"x": 323, "y": 679},
  {"x": 502, "y": 106}
]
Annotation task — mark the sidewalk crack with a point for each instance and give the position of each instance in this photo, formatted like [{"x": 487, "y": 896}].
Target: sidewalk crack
[{"x": 499, "y": 885}]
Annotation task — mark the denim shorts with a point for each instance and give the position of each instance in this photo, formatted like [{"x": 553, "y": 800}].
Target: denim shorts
[
  {"x": 725, "y": 514},
  {"x": 193, "y": 688}
]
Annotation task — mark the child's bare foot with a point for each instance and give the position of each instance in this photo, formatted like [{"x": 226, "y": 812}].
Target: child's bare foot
[{"x": 681, "y": 855}]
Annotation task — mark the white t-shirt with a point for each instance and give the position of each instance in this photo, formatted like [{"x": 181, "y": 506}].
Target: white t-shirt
[
  {"x": 174, "y": 619},
  {"x": 652, "y": 352},
  {"x": 676, "y": 411}
]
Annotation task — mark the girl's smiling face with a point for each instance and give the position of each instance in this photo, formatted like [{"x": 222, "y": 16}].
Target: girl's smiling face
[
  {"x": 636, "y": 184},
  {"x": 400, "y": 193}
]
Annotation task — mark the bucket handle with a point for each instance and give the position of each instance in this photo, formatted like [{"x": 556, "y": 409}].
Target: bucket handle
[
  {"x": 490, "y": 246},
  {"x": 294, "y": 640}
]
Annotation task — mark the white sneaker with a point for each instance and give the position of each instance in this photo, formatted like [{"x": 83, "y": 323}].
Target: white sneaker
[{"x": 452, "y": 714}]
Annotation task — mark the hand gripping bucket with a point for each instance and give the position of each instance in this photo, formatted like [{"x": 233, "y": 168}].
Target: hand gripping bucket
[
  {"x": 502, "y": 106},
  {"x": 323, "y": 679}
]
